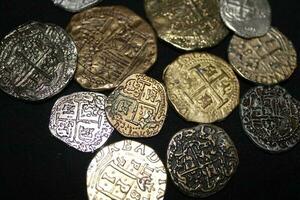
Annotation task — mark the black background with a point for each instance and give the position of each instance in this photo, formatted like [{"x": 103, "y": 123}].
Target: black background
[{"x": 35, "y": 165}]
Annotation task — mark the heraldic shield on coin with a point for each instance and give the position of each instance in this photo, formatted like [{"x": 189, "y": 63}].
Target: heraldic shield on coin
[
  {"x": 187, "y": 24},
  {"x": 203, "y": 88},
  {"x": 138, "y": 106},
  {"x": 126, "y": 170},
  {"x": 113, "y": 43},
  {"x": 75, "y": 5},
  {"x": 201, "y": 160},
  {"x": 271, "y": 118},
  {"x": 36, "y": 61},
  {"x": 247, "y": 18},
  {"x": 79, "y": 120},
  {"x": 266, "y": 60}
]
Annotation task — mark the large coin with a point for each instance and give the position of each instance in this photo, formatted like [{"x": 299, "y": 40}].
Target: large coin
[
  {"x": 247, "y": 18},
  {"x": 187, "y": 24},
  {"x": 79, "y": 120},
  {"x": 202, "y": 87},
  {"x": 126, "y": 170},
  {"x": 36, "y": 61},
  {"x": 138, "y": 106},
  {"x": 201, "y": 160},
  {"x": 113, "y": 43},
  {"x": 75, "y": 5},
  {"x": 266, "y": 60},
  {"x": 271, "y": 118}
]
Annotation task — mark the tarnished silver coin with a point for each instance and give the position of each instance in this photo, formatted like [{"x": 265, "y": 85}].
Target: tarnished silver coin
[
  {"x": 36, "y": 61},
  {"x": 201, "y": 160},
  {"x": 271, "y": 118},
  {"x": 247, "y": 18},
  {"x": 79, "y": 120},
  {"x": 75, "y": 5}
]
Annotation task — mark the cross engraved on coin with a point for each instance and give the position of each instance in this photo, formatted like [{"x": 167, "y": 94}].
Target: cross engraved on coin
[{"x": 75, "y": 5}]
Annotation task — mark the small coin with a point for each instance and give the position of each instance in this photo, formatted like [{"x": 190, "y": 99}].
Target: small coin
[
  {"x": 138, "y": 106},
  {"x": 79, "y": 120},
  {"x": 75, "y": 5},
  {"x": 247, "y": 18},
  {"x": 36, "y": 61},
  {"x": 113, "y": 43},
  {"x": 266, "y": 60},
  {"x": 201, "y": 160},
  {"x": 126, "y": 170},
  {"x": 187, "y": 24},
  {"x": 271, "y": 118},
  {"x": 202, "y": 87}
]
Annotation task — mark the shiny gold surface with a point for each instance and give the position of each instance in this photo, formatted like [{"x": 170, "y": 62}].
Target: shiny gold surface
[
  {"x": 203, "y": 88},
  {"x": 113, "y": 42},
  {"x": 187, "y": 24},
  {"x": 126, "y": 170}
]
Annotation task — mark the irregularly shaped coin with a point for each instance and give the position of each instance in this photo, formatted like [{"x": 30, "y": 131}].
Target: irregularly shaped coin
[
  {"x": 187, "y": 24},
  {"x": 79, "y": 120},
  {"x": 113, "y": 43},
  {"x": 138, "y": 106},
  {"x": 201, "y": 160},
  {"x": 202, "y": 87},
  {"x": 36, "y": 61},
  {"x": 75, "y": 5},
  {"x": 126, "y": 170},
  {"x": 247, "y": 18},
  {"x": 267, "y": 60},
  {"x": 271, "y": 118}
]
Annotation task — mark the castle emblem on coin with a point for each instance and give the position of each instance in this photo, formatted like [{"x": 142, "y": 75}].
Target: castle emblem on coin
[{"x": 75, "y": 5}]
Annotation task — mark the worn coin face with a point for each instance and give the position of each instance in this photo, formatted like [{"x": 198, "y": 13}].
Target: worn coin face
[
  {"x": 138, "y": 106},
  {"x": 202, "y": 87},
  {"x": 266, "y": 60},
  {"x": 75, "y": 5},
  {"x": 201, "y": 160},
  {"x": 247, "y": 18},
  {"x": 79, "y": 120},
  {"x": 271, "y": 118},
  {"x": 36, "y": 61},
  {"x": 113, "y": 43},
  {"x": 187, "y": 24},
  {"x": 126, "y": 170}
]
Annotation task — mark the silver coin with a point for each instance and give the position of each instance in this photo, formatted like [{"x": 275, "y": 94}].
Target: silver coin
[
  {"x": 79, "y": 120},
  {"x": 271, "y": 118},
  {"x": 247, "y": 18},
  {"x": 36, "y": 61},
  {"x": 75, "y": 5}
]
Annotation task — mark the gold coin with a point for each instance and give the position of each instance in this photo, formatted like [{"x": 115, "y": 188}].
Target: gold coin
[
  {"x": 126, "y": 170},
  {"x": 203, "y": 88},
  {"x": 138, "y": 106},
  {"x": 113, "y": 42},
  {"x": 187, "y": 24},
  {"x": 267, "y": 60}
]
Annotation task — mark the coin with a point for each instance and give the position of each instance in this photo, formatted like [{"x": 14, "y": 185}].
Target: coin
[
  {"x": 138, "y": 106},
  {"x": 201, "y": 160},
  {"x": 75, "y": 5},
  {"x": 187, "y": 24},
  {"x": 247, "y": 18},
  {"x": 126, "y": 170},
  {"x": 79, "y": 120},
  {"x": 113, "y": 43},
  {"x": 36, "y": 61},
  {"x": 266, "y": 60},
  {"x": 271, "y": 118},
  {"x": 202, "y": 87}
]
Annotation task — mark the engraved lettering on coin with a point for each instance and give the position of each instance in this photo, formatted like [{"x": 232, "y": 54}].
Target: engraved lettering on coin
[
  {"x": 187, "y": 24},
  {"x": 271, "y": 118},
  {"x": 201, "y": 160},
  {"x": 126, "y": 170},
  {"x": 247, "y": 18},
  {"x": 266, "y": 60},
  {"x": 75, "y": 5},
  {"x": 79, "y": 120},
  {"x": 113, "y": 43},
  {"x": 36, "y": 61},
  {"x": 202, "y": 87}
]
